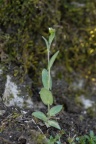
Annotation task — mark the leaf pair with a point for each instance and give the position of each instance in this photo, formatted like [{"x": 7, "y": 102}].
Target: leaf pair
[{"x": 53, "y": 111}]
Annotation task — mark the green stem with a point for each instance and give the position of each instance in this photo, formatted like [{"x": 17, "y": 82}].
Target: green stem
[
  {"x": 48, "y": 52},
  {"x": 48, "y": 69},
  {"x": 48, "y": 111}
]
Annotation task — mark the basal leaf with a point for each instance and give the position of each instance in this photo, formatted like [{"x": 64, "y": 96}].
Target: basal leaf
[
  {"x": 46, "y": 96},
  {"x": 54, "y": 124},
  {"x": 40, "y": 115},
  {"x": 54, "y": 110},
  {"x": 52, "y": 59}
]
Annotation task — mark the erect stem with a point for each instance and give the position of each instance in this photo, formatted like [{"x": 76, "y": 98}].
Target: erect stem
[
  {"x": 48, "y": 111},
  {"x": 48, "y": 78},
  {"x": 48, "y": 69},
  {"x": 48, "y": 52}
]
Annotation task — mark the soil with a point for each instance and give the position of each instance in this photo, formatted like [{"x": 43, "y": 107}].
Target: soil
[{"x": 17, "y": 126}]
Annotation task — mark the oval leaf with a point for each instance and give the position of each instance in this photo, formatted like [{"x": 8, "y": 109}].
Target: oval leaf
[
  {"x": 54, "y": 110},
  {"x": 54, "y": 124},
  {"x": 46, "y": 96},
  {"x": 40, "y": 115},
  {"x": 45, "y": 80},
  {"x": 52, "y": 60}
]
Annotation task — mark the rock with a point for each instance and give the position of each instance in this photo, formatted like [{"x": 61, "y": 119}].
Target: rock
[
  {"x": 13, "y": 92},
  {"x": 16, "y": 94}
]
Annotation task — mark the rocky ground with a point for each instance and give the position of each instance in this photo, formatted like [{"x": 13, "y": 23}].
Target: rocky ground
[{"x": 17, "y": 126}]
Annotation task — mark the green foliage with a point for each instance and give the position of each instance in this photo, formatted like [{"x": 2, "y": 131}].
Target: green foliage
[
  {"x": 84, "y": 139},
  {"x": 53, "y": 140},
  {"x": 71, "y": 140},
  {"x": 87, "y": 139},
  {"x": 45, "y": 93},
  {"x": 53, "y": 123},
  {"x": 56, "y": 139},
  {"x": 54, "y": 110},
  {"x": 40, "y": 115}
]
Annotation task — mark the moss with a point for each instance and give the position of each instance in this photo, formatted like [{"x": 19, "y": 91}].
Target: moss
[
  {"x": 38, "y": 138},
  {"x": 24, "y": 22},
  {"x": 92, "y": 111}
]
